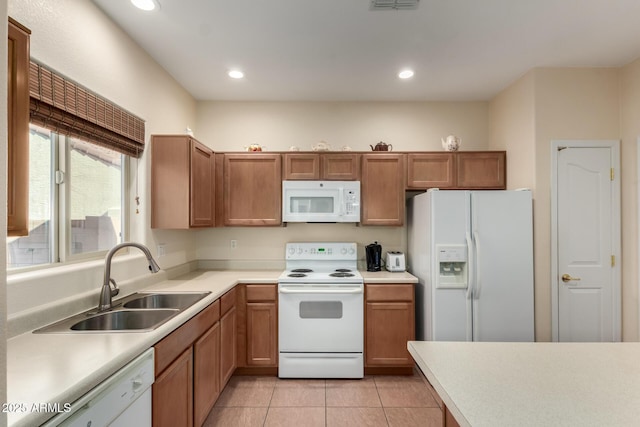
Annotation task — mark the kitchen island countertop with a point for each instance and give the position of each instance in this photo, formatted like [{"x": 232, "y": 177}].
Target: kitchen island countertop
[
  {"x": 59, "y": 368},
  {"x": 534, "y": 384}
]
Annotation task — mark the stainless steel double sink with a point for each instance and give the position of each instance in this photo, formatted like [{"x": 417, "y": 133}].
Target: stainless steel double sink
[{"x": 139, "y": 312}]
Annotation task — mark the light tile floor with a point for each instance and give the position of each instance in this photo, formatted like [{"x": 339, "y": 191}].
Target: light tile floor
[{"x": 373, "y": 401}]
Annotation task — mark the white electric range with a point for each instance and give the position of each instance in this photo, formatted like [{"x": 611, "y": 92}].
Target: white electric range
[{"x": 321, "y": 314}]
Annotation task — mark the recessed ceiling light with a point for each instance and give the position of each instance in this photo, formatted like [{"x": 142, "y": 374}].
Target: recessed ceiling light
[
  {"x": 405, "y": 74},
  {"x": 236, "y": 74},
  {"x": 145, "y": 4}
]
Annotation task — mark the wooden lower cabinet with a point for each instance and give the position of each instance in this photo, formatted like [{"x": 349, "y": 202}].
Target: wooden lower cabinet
[
  {"x": 257, "y": 328},
  {"x": 261, "y": 329},
  {"x": 228, "y": 345},
  {"x": 206, "y": 381},
  {"x": 389, "y": 324},
  {"x": 172, "y": 393},
  {"x": 187, "y": 365}
]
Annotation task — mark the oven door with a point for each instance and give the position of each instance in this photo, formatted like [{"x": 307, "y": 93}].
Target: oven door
[{"x": 321, "y": 318}]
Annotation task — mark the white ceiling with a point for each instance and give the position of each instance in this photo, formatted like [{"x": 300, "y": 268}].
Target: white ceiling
[{"x": 339, "y": 50}]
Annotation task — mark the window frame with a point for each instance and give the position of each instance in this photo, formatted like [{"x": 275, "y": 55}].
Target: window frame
[{"x": 60, "y": 229}]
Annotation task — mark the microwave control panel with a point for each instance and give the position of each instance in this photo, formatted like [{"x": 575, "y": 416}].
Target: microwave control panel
[{"x": 352, "y": 203}]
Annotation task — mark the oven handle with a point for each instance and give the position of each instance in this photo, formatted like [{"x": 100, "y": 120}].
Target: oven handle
[{"x": 320, "y": 291}]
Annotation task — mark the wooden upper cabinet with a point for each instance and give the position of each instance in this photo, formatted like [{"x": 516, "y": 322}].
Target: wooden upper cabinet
[
  {"x": 382, "y": 189},
  {"x": 301, "y": 166},
  {"x": 324, "y": 166},
  {"x": 182, "y": 183},
  {"x": 481, "y": 170},
  {"x": 18, "y": 130},
  {"x": 252, "y": 187},
  {"x": 340, "y": 166},
  {"x": 430, "y": 170},
  {"x": 202, "y": 185}
]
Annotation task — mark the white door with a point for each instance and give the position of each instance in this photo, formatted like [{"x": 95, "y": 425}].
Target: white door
[{"x": 586, "y": 277}]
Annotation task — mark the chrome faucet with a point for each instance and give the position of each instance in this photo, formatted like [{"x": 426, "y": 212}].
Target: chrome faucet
[{"x": 107, "y": 293}]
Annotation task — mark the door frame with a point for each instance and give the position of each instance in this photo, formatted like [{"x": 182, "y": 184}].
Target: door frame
[{"x": 614, "y": 145}]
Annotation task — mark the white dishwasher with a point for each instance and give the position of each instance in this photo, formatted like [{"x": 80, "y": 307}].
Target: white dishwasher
[{"x": 123, "y": 399}]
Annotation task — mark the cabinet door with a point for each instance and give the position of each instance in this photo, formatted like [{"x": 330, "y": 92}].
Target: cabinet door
[
  {"x": 481, "y": 170},
  {"x": 262, "y": 346},
  {"x": 252, "y": 189},
  {"x": 202, "y": 185},
  {"x": 382, "y": 189},
  {"x": 430, "y": 170},
  {"x": 228, "y": 346},
  {"x": 340, "y": 167},
  {"x": 206, "y": 373},
  {"x": 389, "y": 326},
  {"x": 18, "y": 130},
  {"x": 301, "y": 166},
  {"x": 172, "y": 393}
]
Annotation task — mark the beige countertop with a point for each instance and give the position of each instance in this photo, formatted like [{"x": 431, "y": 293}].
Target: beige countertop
[
  {"x": 534, "y": 384},
  {"x": 60, "y": 368}
]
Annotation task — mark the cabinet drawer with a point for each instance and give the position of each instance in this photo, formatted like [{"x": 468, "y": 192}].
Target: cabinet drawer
[
  {"x": 389, "y": 292},
  {"x": 261, "y": 292},
  {"x": 227, "y": 301},
  {"x": 183, "y": 337}
]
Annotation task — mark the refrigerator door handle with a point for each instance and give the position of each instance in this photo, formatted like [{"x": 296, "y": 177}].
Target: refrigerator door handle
[
  {"x": 471, "y": 270},
  {"x": 470, "y": 275},
  {"x": 477, "y": 282}
]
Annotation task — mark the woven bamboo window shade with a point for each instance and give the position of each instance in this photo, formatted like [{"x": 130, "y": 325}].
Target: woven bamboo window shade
[{"x": 63, "y": 106}]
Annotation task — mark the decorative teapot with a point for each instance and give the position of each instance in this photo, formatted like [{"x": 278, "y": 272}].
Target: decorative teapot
[
  {"x": 452, "y": 143},
  {"x": 381, "y": 146}
]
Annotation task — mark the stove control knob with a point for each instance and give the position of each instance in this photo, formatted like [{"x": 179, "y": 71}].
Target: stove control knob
[
  {"x": 292, "y": 250},
  {"x": 343, "y": 251},
  {"x": 352, "y": 251},
  {"x": 300, "y": 251}
]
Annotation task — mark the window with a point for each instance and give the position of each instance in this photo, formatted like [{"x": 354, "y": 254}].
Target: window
[{"x": 76, "y": 201}]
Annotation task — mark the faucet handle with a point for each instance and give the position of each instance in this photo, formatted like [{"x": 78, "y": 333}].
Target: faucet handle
[{"x": 115, "y": 291}]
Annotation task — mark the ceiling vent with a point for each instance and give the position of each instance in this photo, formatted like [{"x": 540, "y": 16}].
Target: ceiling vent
[{"x": 394, "y": 4}]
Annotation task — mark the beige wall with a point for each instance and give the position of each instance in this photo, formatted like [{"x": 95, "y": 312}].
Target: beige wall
[
  {"x": 569, "y": 104},
  {"x": 78, "y": 40},
  {"x": 545, "y": 105},
  {"x": 512, "y": 128},
  {"x": 229, "y": 126},
  {"x": 630, "y": 133}
]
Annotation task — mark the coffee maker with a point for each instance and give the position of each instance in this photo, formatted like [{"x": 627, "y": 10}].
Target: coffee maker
[{"x": 374, "y": 256}]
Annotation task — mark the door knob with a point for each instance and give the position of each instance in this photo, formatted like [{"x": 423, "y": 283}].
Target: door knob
[{"x": 566, "y": 278}]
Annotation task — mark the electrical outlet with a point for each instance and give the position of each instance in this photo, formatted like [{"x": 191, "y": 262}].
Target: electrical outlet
[
  {"x": 160, "y": 250},
  {"x": 234, "y": 244}
]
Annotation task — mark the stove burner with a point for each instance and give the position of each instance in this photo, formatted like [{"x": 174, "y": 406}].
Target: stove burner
[
  {"x": 301, "y": 270},
  {"x": 341, "y": 274},
  {"x": 343, "y": 270},
  {"x": 296, "y": 274}
]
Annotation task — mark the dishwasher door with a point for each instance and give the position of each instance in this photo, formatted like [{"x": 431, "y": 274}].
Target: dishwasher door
[{"x": 124, "y": 399}]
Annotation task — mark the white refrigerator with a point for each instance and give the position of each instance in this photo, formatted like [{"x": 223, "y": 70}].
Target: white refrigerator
[{"x": 472, "y": 252}]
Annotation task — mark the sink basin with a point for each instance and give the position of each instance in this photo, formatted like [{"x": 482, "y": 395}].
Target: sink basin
[
  {"x": 125, "y": 320},
  {"x": 138, "y": 312},
  {"x": 176, "y": 301}
]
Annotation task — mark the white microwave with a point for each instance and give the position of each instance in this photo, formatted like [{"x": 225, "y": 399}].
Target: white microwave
[{"x": 321, "y": 201}]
